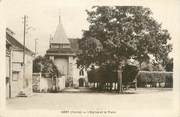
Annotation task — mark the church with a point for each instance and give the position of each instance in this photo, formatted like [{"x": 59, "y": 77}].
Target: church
[{"x": 63, "y": 52}]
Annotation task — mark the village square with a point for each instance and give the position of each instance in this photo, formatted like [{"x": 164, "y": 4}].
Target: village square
[{"x": 121, "y": 60}]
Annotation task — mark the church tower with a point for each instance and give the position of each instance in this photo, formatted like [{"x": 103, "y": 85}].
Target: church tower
[
  {"x": 61, "y": 53},
  {"x": 60, "y": 37}
]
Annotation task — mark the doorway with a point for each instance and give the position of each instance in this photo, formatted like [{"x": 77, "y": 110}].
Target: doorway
[{"x": 81, "y": 82}]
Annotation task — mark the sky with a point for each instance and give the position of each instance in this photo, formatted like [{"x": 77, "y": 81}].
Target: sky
[{"x": 43, "y": 17}]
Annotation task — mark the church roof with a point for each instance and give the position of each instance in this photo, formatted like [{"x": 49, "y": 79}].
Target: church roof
[
  {"x": 60, "y": 36},
  {"x": 73, "y": 50}
]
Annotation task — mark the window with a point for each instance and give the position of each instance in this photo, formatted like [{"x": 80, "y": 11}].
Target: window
[
  {"x": 15, "y": 76},
  {"x": 81, "y": 72}
]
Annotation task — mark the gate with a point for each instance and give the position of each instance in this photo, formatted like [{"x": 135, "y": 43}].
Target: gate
[{"x": 81, "y": 82}]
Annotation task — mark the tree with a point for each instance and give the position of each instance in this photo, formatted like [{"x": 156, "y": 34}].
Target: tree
[
  {"x": 45, "y": 66},
  {"x": 91, "y": 52},
  {"x": 122, "y": 32},
  {"x": 125, "y": 32}
]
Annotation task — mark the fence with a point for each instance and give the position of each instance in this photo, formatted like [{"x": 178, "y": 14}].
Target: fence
[
  {"x": 107, "y": 79},
  {"x": 142, "y": 79}
]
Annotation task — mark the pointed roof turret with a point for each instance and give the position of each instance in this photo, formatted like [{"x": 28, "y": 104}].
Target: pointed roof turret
[{"x": 60, "y": 36}]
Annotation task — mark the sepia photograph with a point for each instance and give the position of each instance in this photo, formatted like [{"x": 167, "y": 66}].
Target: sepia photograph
[{"x": 90, "y": 58}]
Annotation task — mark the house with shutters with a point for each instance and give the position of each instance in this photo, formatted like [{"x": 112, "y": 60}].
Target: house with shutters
[{"x": 63, "y": 52}]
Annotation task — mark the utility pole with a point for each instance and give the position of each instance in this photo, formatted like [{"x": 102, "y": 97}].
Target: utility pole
[
  {"x": 25, "y": 28},
  {"x": 22, "y": 93},
  {"x": 24, "y": 48}
]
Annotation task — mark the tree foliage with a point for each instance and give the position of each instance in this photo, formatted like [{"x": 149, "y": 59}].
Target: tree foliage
[
  {"x": 122, "y": 32},
  {"x": 45, "y": 66}
]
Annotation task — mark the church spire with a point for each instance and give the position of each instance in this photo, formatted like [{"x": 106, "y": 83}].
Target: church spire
[
  {"x": 60, "y": 36},
  {"x": 59, "y": 19},
  {"x": 59, "y": 16}
]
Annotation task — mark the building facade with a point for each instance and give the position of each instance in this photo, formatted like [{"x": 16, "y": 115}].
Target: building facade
[
  {"x": 18, "y": 78},
  {"x": 63, "y": 51}
]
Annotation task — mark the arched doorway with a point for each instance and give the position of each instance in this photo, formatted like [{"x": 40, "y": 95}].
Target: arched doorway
[{"x": 81, "y": 82}]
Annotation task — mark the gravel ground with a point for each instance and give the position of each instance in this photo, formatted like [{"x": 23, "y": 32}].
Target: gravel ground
[
  {"x": 151, "y": 99},
  {"x": 144, "y": 102}
]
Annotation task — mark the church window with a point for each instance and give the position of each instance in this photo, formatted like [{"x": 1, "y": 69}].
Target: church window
[{"x": 81, "y": 72}]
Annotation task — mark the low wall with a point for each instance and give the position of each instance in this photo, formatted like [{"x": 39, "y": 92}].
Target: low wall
[
  {"x": 42, "y": 84},
  {"x": 61, "y": 83},
  {"x": 45, "y": 84},
  {"x": 48, "y": 85}
]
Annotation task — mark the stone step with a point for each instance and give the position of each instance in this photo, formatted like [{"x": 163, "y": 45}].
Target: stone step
[{"x": 22, "y": 94}]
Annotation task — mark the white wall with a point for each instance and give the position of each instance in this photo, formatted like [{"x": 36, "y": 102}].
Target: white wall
[
  {"x": 17, "y": 56},
  {"x": 16, "y": 85},
  {"x": 76, "y": 75},
  {"x": 61, "y": 83},
  {"x": 28, "y": 73},
  {"x": 68, "y": 66},
  {"x": 62, "y": 65},
  {"x": 46, "y": 83},
  {"x": 21, "y": 83}
]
